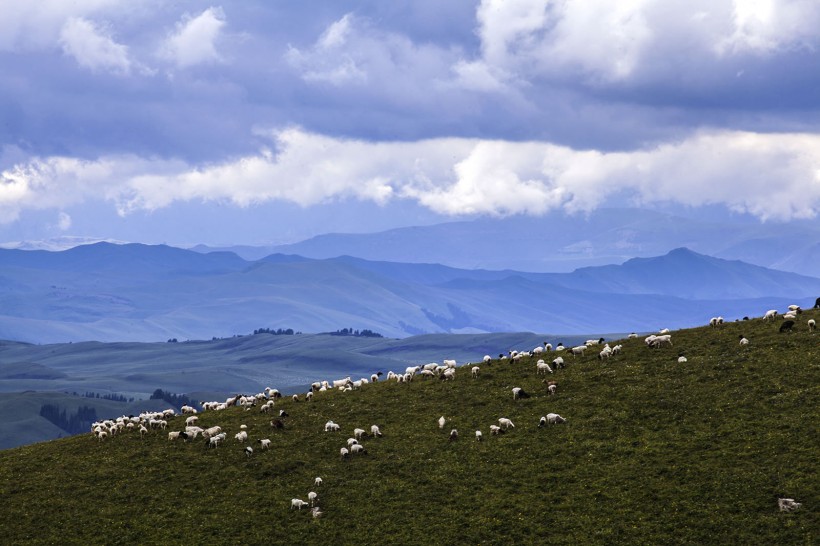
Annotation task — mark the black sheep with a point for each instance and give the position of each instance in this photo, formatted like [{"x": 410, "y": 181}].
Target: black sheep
[{"x": 787, "y": 326}]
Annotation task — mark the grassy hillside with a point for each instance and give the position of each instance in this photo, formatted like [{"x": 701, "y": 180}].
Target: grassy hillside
[{"x": 653, "y": 452}]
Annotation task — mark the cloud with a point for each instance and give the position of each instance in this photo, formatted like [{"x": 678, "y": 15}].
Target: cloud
[
  {"x": 64, "y": 221},
  {"x": 772, "y": 176},
  {"x": 194, "y": 40},
  {"x": 92, "y": 48},
  {"x": 37, "y": 25}
]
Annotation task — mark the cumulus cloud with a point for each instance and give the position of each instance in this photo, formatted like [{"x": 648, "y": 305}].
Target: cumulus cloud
[
  {"x": 772, "y": 176},
  {"x": 37, "y": 25},
  {"x": 92, "y": 47},
  {"x": 194, "y": 39}
]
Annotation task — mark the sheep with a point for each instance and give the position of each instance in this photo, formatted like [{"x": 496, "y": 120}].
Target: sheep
[
  {"x": 358, "y": 433},
  {"x": 547, "y": 346},
  {"x": 173, "y": 435},
  {"x": 214, "y": 441},
  {"x": 715, "y": 321},
  {"x": 795, "y": 309},
  {"x": 682, "y": 359},
  {"x": 243, "y": 427},
  {"x": 743, "y": 340},
  {"x": 312, "y": 498},
  {"x": 441, "y": 422},
  {"x": 211, "y": 431},
  {"x": 478, "y": 436},
  {"x": 518, "y": 393},
  {"x": 554, "y": 418},
  {"x": 453, "y": 435},
  {"x": 264, "y": 442},
  {"x": 375, "y": 431},
  {"x": 241, "y": 436},
  {"x": 316, "y": 512},
  {"x": 344, "y": 453},
  {"x": 191, "y": 420},
  {"x": 352, "y": 441},
  {"x": 812, "y": 325},
  {"x": 449, "y": 373},
  {"x": 297, "y": 503},
  {"x": 605, "y": 353},
  {"x": 506, "y": 423},
  {"x": 309, "y": 396},
  {"x": 558, "y": 362},
  {"x": 551, "y": 388},
  {"x": 318, "y": 481},
  {"x": 342, "y": 382},
  {"x": 248, "y": 451},
  {"x": 543, "y": 367},
  {"x": 475, "y": 370},
  {"x": 487, "y": 359},
  {"x": 283, "y": 413},
  {"x": 542, "y": 422},
  {"x": 449, "y": 363},
  {"x": 787, "y": 326},
  {"x": 770, "y": 315},
  {"x": 495, "y": 430},
  {"x": 579, "y": 350},
  {"x": 277, "y": 423},
  {"x": 560, "y": 347},
  {"x": 788, "y": 505},
  {"x": 358, "y": 448},
  {"x": 330, "y": 426},
  {"x": 816, "y": 304},
  {"x": 143, "y": 431},
  {"x": 187, "y": 409}
]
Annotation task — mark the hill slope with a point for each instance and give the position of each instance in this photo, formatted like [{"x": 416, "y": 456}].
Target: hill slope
[{"x": 653, "y": 452}]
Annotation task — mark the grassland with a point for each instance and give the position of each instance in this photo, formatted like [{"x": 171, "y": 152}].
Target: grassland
[{"x": 654, "y": 452}]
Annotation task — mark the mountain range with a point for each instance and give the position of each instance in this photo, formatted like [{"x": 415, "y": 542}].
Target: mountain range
[
  {"x": 560, "y": 242},
  {"x": 135, "y": 292}
]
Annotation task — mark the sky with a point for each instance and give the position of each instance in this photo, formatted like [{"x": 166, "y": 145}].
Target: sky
[{"x": 262, "y": 122}]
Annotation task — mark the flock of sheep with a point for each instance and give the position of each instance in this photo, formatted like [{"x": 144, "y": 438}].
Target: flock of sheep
[{"x": 214, "y": 436}]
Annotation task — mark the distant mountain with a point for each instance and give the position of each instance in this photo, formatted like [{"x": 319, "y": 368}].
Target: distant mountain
[
  {"x": 559, "y": 242},
  {"x": 135, "y": 292}
]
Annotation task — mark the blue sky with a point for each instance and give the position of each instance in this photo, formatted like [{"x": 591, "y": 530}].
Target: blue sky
[{"x": 261, "y": 122}]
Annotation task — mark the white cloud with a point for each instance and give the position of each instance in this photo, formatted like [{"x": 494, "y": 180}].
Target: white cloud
[
  {"x": 37, "y": 25},
  {"x": 92, "y": 48},
  {"x": 194, "y": 39},
  {"x": 772, "y": 176},
  {"x": 766, "y": 26},
  {"x": 64, "y": 221}
]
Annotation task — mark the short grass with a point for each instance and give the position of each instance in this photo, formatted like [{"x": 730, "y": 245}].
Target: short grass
[{"x": 654, "y": 452}]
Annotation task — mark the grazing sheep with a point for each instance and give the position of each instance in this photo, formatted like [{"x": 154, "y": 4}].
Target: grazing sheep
[
  {"x": 358, "y": 433},
  {"x": 330, "y": 426},
  {"x": 344, "y": 453},
  {"x": 787, "y": 326},
  {"x": 309, "y": 396},
  {"x": 552, "y": 387},
  {"x": 264, "y": 442},
  {"x": 817, "y": 303},
  {"x": 312, "y": 497},
  {"x": 316, "y": 512},
  {"x": 375, "y": 431},
  {"x": 441, "y": 422},
  {"x": 543, "y": 367},
  {"x": 475, "y": 371},
  {"x": 453, "y": 435},
  {"x": 478, "y": 436},
  {"x": 143, "y": 430},
  {"x": 506, "y": 423},
  {"x": 248, "y": 451},
  {"x": 241, "y": 436},
  {"x": 558, "y": 362},
  {"x": 352, "y": 441},
  {"x": 579, "y": 350},
  {"x": 542, "y": 422},
  {"x": 487, "y": 358},
  {"x": 770, "y": 315},
  {"x": 743, "y": 340},
  {"x": 518, "y": 392},
  {"x": 788, "y": 505},
  {"x": 297, "y": 503},
  {"x": 682, "y": 359},
  {"x": 173, "y": 435},
  {"x": 812, "y": 325},
  {"x": 277, "y": 423},
  {"x": 191, "y": 420},
  {"x": 554, "y": 418},
  {"x": 318, "y": 481},
  {"x": 283, "y": 413},
  {"x": 495, "y": 430},
  {"x": 358, "y": 448}
]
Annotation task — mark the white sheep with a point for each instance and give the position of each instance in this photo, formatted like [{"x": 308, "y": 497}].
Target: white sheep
[
  {"x": 173, "y": 435},
  {"x": 558, "y": 362},
  {"x": 330, "y": 426},
  {"x": 487, "y": 358},
  {"x": 357, "y": 448},
  {"x": 681, "y": 359},
  {"x": 318, "y": 481},
  {"x": 579, "y": 350},
  {"x": 191, "y": 420},
  {"x": 248, "y": 451},
  {"x": 312, "y": 497},
  {"x": 506, "y": 423},
  {"x": 770, "y": 315},
  {"x": 554, "y": 418},
  {"x": 316, "y": 512},
  {"x": 495, "y": 430},
  {"x": 449, "y": 363},
  {"x": 241, "y": 436},
  {"x": 375, "y": 431},
  {"x": 475, "y": 370},
  {"x": 542, "y": 367},
  {"x": 788, "y": 505},
  {"x": 551, "y": 388},
  {"x": 812, "y": 325},
  {"x": 265, "y": 443},
  {"x": 352, "y": 441},
  {"x": 453, "y": 435},
  {"x": 358, "y": 433},
  {"x": 297, "y": 503},
  {"x": 344, "y": 452},
  {"x": 743, "y": 340},
  {"x": 519, "y": 393},
  {"x": 441, "y": 422},
  {"x": 478, "y": 436},
  {"x": 309, "y": 396}
]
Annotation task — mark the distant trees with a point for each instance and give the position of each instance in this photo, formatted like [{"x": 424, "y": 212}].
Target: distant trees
[
  {"x": 176, "y": 400},
  {"x": 355, "y": 333},
  {"x": 277, "y": 332},
  {"x": 112, "y": 396},
  {"x": 73, "y": 423}
]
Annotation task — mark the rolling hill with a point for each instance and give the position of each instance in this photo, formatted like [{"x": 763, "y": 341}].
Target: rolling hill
[
  {"x": 654, "y": 451},
  {"x": 107, "y": 292}
]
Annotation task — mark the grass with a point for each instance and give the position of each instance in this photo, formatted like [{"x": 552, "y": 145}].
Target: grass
[{"x": 654, "y": 452}]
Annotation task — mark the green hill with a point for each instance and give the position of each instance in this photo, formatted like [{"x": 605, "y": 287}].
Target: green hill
[{"x": 653, "y": 452}]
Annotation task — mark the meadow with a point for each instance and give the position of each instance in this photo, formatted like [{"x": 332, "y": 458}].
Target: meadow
[{"x": 653, "y": 452}]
